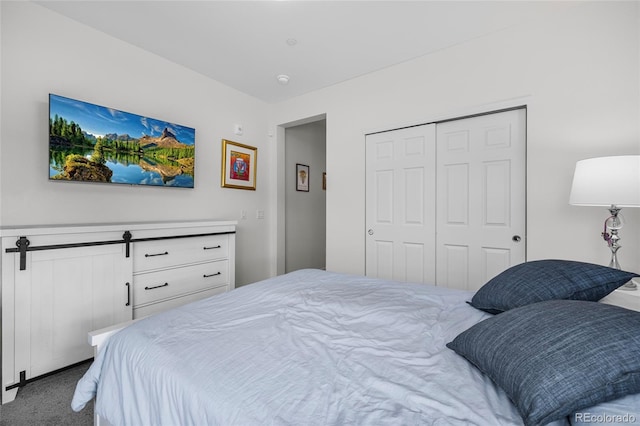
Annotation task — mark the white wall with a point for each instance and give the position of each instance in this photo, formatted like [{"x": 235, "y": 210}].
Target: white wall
[
  {"x": 305, "y": 232},
  {"x": 578, "y": 73},
  {"x": 43, "y": 52},
  {"x": 1, "y": 203}
]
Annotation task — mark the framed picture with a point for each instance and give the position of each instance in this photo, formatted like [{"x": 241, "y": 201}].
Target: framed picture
[
  {"x": 302, "y": 177},
  {"x": 238, "y": 165},
  {"x": 98, "y": 144}
]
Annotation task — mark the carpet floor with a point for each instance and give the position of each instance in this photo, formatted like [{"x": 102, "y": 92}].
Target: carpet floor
[{"x": 47, "y": 402}]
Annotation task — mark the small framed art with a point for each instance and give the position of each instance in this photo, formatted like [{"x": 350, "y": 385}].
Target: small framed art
[
  {"x": 302, "y": 177},
  {"x": 238, "y": 165}
]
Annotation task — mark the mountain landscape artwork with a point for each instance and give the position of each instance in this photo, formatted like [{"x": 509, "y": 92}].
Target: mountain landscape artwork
[{"x": 92, "y": 143}]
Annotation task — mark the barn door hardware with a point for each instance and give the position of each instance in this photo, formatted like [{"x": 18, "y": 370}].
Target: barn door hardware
[{"x": 23, "y": 245}]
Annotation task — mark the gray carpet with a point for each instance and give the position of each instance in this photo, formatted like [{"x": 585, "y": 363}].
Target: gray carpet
[{"x": 47, "y": 402}]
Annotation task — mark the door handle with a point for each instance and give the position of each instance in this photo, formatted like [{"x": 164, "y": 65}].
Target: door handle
[
  {"x": 516, "y": 238},
  {"x": 370, "y": 232}
]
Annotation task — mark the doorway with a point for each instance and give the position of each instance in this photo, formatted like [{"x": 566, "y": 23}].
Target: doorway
[{"x": 305, "y": 196}]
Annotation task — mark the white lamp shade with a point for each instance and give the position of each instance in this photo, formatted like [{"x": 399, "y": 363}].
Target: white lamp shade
[{"x": 607, "y": 180}]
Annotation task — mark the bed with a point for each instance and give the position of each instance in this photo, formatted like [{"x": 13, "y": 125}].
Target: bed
[{"x": 307, "y": 348}]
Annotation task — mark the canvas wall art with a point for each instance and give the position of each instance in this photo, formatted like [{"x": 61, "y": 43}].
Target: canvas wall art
[{"x": 93, "y": 143}]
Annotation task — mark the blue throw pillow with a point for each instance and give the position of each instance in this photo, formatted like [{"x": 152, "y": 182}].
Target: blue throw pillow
[
  {"x": 557, "y": 357},
  {"x": 541, "y": 280}
]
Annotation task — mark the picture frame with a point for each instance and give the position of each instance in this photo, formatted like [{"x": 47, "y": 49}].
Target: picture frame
[
  {"x": 302, "y": 177},
  {"x": 239, "y": 164},
  {"x": 91, "y": 143}
]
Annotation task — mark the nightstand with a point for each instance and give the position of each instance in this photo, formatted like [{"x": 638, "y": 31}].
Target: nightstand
[{"x": 629, "y": 299}]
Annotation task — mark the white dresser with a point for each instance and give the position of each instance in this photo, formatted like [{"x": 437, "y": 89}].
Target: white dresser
[{"x": 61, "y": 282}]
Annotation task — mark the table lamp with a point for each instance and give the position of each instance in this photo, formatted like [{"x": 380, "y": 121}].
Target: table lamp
[{"x": 613, "y": 182}]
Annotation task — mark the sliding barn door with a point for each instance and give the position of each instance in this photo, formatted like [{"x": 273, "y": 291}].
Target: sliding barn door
[
  {"x": 400, "y": 210},
  {"x": 481, "y": 169},
  {"x": 62, "y": 295}
]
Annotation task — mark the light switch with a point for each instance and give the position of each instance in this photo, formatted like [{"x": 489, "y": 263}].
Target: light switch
[{"x": 237, "y": 129}]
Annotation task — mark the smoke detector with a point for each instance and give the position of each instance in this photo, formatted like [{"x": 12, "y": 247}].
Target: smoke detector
[{"x": 283, "y": 79}]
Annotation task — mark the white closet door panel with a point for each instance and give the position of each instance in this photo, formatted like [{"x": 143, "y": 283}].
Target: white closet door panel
[
  {"x": 383, "y": 148},
  {"x": 384, "y": 197},
  {"x": 381, "y": 253},
  {"x": 497, "y": 202},
  {"x": 481, "y": 169},
  {"x": 414, "y": 196},
  {"x": 494, "y": 261},
  {"x": 453, "y": 142},
  {"x": 414, "y": 265},
  {"x": 456, "y": 188},
  {"x": 454, "y": 264},
  {"x": 400, "y": 216}
]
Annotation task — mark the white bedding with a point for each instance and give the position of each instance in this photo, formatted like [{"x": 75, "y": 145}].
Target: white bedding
[{"x": 306, "y": 348}]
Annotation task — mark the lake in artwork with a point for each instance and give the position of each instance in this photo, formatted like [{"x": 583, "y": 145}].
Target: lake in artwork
[{"x": 92, "y": 143}]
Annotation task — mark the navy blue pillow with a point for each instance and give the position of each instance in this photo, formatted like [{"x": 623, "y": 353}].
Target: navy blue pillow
[
  {"x": 541, "y": 280},
  {"x": 556, "y": 357}
]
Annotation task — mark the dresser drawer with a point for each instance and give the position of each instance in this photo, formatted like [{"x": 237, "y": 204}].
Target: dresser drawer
[
  {"x": 155, "y": 286},
  {"x": 154, "y": 308},
  {"x": 166, "y": 253}
]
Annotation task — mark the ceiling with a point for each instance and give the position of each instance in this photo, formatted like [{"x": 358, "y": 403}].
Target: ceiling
[{"x": 247, "y": 44}]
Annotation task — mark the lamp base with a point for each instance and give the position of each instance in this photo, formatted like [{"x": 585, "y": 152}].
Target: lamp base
[{"x": 612, "y": 225}]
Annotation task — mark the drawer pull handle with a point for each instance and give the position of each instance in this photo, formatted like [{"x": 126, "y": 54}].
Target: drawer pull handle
[
  {"x": 157, "y": 254},
  {"x": 157, "y": 286},
  {"x": 212, "y": 275},
  {"x": 212, "y": 247}
]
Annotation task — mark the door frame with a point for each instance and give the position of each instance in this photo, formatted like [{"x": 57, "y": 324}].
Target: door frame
[{"x": 280, "y": 191}]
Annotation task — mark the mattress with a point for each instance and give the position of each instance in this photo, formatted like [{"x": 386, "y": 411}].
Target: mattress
[{"x": 306, "y": 348}]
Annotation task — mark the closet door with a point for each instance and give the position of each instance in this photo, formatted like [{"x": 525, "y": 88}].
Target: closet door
[
  {"x": 481, "y": 197},
  {"x": 400, "y": 210}
]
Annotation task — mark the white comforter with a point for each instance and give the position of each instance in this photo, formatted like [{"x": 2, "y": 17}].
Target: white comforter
[{"x": 306, "y": 348}]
